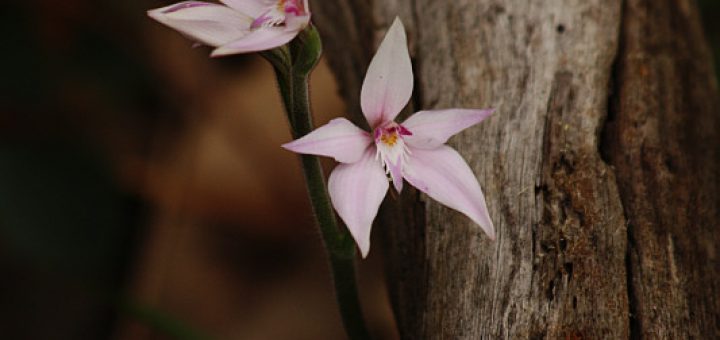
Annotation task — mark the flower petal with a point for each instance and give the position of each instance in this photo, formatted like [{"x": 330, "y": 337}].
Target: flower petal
[
  {"x": 388, "y": 83},
  {"x": 210, "y": 24},
  {"x": 396, "y": 174},
  {"x": 252, "y": 8},
  {"x": 444, "y": 175},
  {"x": 431, "y": 129},
  {"x": 261, "y": 39},
  {"x": 296, "y": 22},
  {"x": 306, "y": 6},
  {"x": 356, "y": 191},
  {"x": 339, "y": 139}
]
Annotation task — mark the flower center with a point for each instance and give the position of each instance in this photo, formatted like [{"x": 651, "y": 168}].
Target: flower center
[
  {"x": 391, "y": 148},
  {"x": 275, "y": 15},
  {"x": 389, "y": 139}
]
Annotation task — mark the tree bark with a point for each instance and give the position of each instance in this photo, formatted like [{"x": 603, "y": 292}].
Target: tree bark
[{"x": 599, "y": 167}]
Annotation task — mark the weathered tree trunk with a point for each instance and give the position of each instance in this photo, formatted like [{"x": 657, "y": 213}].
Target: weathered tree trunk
[{"x": 600, "y": 167}]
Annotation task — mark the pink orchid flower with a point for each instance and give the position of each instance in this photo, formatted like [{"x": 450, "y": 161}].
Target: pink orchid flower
[
  {"x": 414, "y": 149},
  {"x": 239, "y": 26}
]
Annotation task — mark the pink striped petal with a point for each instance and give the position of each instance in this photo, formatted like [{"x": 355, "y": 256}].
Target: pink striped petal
[
  {"x": 356, "y": 191},
  {"x": 431, "y": 129},
  {"x": 388, "y": 83},
  {"x": 339, "y": 139},
  {"x": 261, "y": 39},
  {"x": 252, "y": 8},
  {"x": 210, "y": 24},
  {"x": 444, "y": 175}
]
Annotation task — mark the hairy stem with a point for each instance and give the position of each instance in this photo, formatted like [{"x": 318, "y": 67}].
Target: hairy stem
[{"x": 339, "y": 245}]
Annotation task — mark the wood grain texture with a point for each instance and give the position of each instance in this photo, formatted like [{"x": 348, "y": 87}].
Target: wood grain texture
[
  {"x": 663, "y": 138},
  {"x": 562, "y": 266}
]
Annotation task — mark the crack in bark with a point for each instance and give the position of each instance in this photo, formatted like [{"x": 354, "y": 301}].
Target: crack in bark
[
  {"x": 417, "y": 95},
  {"x": 604, "y": 152}
]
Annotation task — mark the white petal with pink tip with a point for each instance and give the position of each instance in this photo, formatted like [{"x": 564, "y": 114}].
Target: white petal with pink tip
[
  {"x": 252, "y": 8},
  {"x": 433, "y": 128},
  {"x": 356, "y": 191},
  {"x": 207, "y": 23},
  {"x": 257, "y": 40},
  {"x": 243, "y": 26},
  {"x": 339, "y": 139},
  {"x": 445, "y": 176},
  {"x": 388, "y": 83}
]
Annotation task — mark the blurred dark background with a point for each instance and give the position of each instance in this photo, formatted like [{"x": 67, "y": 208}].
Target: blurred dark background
[
  {"x": 142, "y": 186},
  {"x": 143, "y": 190},
  {"x": 710, "y": 10}
]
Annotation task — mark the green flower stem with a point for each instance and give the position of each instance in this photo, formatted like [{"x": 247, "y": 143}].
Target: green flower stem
[
  {"x": 339, "y": 245},
  {"x": 280, "y": 60},
  {"x": 293, "y": 65}
]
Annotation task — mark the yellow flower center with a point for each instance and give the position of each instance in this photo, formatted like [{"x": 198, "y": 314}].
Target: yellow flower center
[{"x": 389, "y": 139}]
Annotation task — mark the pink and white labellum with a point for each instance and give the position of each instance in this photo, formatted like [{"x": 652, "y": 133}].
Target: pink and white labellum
[
  {"x": 413, "y": 150},
  {"x": 238, "y": 26}
]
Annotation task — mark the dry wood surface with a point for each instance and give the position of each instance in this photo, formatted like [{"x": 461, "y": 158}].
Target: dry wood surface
[{"x": 600, "y": 167}]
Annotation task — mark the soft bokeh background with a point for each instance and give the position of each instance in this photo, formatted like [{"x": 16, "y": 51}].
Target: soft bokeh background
[
  {"x": 142, "y": 182},
  {"x": 135, "y": 169}
]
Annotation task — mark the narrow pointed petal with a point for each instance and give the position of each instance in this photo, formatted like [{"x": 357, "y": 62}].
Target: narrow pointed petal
[
  {"x": 261, "y": 39},
  {"x": 252, "y": 8},
  {"x": 356, "y": 191},
  {"x": 396, "y": 175},
  {"x": 445, "y": 176},
  {"x": 339, "y": 139},
  {"x": 388, "y": 84},
  {"x": 210, "y": 24},
  {"x": 431, "y": 129}
]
